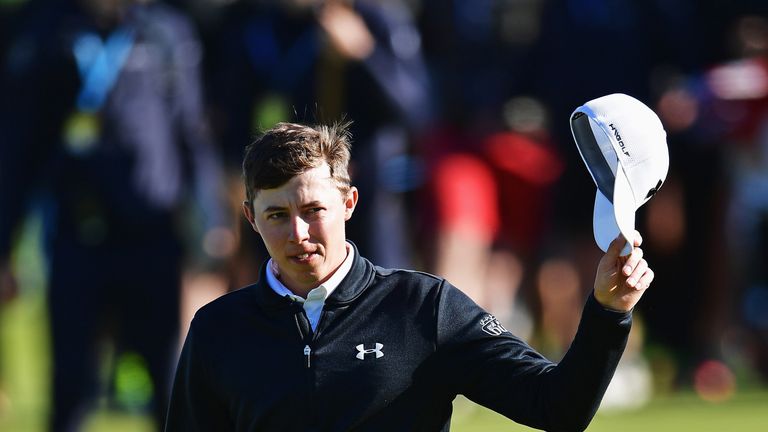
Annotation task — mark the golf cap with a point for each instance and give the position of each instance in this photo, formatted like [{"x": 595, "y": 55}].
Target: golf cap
[{"x": 624, "y": 147}]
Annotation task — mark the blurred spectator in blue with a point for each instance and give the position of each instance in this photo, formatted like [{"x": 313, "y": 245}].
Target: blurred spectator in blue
[
  {"x": 103, "y": 123},
  {"x": 311, "y": 60}
]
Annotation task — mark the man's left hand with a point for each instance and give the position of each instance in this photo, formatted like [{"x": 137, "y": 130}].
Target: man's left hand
[{"x": 621, "y": 281}]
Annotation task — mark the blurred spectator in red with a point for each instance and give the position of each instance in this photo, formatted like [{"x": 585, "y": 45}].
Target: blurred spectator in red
[
  {"x": 491, "y": 206},
  {"x": 103, "y": 126},
  {"x": 489, "y": 160}
]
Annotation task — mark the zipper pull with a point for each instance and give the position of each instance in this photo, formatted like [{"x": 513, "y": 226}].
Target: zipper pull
[{"x": 307, "y": 352}]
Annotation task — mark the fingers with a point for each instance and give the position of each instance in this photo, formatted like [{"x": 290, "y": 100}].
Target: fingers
[
  {"x": 639, "y": 275},
  {"x": 631, "y": 261},
  {"x": 633, "y": 279},
  {"x": 638, "y": 240},
  {"x": 645, "y": 279}
]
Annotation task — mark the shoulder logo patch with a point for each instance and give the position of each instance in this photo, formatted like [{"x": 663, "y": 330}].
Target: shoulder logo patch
[{"x": 492, "y": 326}]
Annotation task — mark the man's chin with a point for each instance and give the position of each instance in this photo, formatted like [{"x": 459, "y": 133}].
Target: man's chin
[{"x": 306, "y": 276}]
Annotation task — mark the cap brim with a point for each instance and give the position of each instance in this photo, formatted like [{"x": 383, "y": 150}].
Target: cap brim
[{"x": 610, "y": 219}]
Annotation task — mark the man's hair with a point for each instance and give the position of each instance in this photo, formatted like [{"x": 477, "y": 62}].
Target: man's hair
[{"x": 290, "y": 149}]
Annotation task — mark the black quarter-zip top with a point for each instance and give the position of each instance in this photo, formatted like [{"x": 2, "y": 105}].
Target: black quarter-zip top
[{"x": 392, "y": 350}]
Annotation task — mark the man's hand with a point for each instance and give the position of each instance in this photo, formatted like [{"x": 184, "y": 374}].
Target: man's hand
[{"x": 621, "y": 281}]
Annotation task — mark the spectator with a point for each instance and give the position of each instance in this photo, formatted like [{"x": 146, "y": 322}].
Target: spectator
[
  {"x": 488, "y": 152},
  {"x": 106, "y": 115}
]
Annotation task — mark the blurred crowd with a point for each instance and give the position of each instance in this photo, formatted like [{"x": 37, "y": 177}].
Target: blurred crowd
[{"x": 123, "y": 122}]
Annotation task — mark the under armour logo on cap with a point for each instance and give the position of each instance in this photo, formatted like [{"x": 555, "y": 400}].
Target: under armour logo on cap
[
  {"x": 361, "y": 351},
  {"x": 654, "y": 189}
]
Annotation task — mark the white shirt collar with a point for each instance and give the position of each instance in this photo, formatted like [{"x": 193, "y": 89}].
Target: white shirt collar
[{"x": 324, "y": 290}]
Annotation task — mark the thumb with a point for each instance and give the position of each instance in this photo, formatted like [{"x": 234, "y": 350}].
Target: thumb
[{"x": 614, "y": 249}]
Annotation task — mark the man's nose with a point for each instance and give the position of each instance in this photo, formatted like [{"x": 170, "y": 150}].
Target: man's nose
[{"x": 299, "y": 230}]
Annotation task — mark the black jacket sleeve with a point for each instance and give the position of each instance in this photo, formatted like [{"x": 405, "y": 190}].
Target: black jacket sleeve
[
  {"x": 194, "y": 404},
  {"x": 497, "y": 370}
]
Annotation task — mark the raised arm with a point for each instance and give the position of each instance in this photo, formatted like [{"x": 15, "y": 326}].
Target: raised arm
[{"x": 501, "y": 372}]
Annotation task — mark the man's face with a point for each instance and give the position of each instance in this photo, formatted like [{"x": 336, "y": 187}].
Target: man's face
[{"x": 302, "y": 225}]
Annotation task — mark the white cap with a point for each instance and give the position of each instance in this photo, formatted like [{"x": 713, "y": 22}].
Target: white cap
[{"x": 624, "y": 147}]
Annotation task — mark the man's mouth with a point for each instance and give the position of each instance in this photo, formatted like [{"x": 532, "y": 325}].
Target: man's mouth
[{"x": 304, "y": 257}]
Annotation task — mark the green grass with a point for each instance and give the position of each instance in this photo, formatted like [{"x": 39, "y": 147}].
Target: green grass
[
  {"x": 681, "y": 412},
  {"x": 25, "y": 374}
]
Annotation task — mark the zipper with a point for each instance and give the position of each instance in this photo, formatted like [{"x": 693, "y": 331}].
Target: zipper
[
  {"x": 307, "y": 338},
  {"x": 306, "y": 334},
  {"x": 308, "y": 354}
]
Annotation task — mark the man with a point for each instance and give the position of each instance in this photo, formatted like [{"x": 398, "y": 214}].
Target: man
[{"x": 325, "y": 340}]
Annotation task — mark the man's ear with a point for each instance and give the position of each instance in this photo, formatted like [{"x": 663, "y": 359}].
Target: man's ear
[
  {"x": 350, "y": 203},
  {"x": 249, "y": 214}
]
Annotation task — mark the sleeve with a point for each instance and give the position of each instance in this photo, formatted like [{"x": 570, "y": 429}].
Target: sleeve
[
  {"x": 499, "y": 371},
  {"x": 194, "y": 405}
]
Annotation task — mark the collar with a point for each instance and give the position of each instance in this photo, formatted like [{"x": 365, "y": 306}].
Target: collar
[{"x": 325, "y": 289}]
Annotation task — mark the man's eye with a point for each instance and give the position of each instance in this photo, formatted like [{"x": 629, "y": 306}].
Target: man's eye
[{"x": 275, "y": 216}]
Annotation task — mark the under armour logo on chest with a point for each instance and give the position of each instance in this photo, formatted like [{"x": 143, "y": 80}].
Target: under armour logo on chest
[{"x": 361, "y": 351}]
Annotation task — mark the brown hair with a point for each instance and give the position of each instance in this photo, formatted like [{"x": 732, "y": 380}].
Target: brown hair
[{"x": 290, "y": 149}]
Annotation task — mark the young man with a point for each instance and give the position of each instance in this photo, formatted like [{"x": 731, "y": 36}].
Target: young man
[{"x": 325, "y": 340}]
